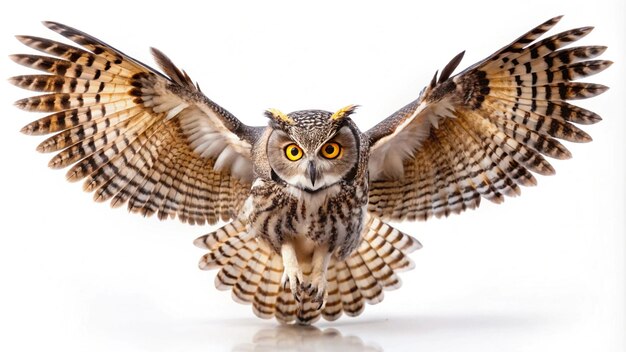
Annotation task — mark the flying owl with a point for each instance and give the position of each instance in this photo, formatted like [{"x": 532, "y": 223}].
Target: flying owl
[{"x": 306, "y": 197}]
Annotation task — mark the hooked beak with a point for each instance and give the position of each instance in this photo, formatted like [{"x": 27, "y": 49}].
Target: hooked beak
[{"x": 312, "y": 172}]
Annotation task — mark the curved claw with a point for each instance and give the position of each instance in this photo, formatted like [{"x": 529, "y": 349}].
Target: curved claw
[
  {"x": 292, "y": 279},
  {"x": 317, "y": 291}
]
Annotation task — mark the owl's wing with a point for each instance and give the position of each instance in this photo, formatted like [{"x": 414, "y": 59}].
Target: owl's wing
[
  {"x": 135, "y": 135},
  {"x": 480, "y": 133}
]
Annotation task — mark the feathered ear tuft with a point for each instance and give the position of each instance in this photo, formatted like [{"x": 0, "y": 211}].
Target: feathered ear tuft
[
  {"x": 343, "y": 112},
  {"x": 278, "y": 116}
]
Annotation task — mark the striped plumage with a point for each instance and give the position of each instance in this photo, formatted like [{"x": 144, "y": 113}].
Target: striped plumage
[
  {"x": 253, "y": 271},
  {"x": 482, "y": 132},
  {"x": 120, "y": 123},
  {"x": 308, "y": 194}
]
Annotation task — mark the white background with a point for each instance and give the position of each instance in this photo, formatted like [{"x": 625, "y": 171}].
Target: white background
[{"x": 543, "y": 272}]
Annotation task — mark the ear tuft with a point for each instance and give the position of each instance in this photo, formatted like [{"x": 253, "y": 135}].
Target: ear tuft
[
  {"x": 344, "y": 112},
  {"x": 278, "y": 116}
]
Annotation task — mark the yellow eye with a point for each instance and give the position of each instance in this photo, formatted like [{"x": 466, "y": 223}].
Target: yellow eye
[
  {"x": 293, "y": 152},
  {"x": 331, "y": 150}
]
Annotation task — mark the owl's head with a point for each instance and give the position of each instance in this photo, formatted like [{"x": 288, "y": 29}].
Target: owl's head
[{"x": 313, "y": 149}]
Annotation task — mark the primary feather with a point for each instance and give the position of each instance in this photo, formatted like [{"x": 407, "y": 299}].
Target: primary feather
[
  {"x": 479, "y": 133},
  {"x": 134, "y": 135}
]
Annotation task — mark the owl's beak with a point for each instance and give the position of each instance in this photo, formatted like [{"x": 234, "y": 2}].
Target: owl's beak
[{"x": 312, "y": 172}]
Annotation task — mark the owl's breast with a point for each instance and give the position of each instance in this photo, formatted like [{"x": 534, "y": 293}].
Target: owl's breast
[{"x": 334, "y": 216}]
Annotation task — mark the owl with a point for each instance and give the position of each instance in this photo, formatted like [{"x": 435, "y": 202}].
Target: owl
[{"x": 306, "y": 198}]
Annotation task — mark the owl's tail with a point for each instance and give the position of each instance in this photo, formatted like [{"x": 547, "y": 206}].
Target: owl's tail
[
  {"x": 366, "y": 273},
  {"x": 253, "y": 271}
]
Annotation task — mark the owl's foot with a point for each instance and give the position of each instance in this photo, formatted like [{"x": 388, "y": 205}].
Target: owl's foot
[
  {"x": 316, "y": 290},
  {"x": 292, "y": 275},
  {"x": 293, "y": 278}
]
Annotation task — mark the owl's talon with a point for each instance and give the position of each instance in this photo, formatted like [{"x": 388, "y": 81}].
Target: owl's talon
[
  {"x": 316, "y": 290},
  {"x": 292, "y": 279},
  {"x": 320, "y": 305}
]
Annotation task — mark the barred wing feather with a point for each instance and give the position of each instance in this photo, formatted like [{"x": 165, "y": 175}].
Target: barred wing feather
[
  {"x": 481, "y": 133},
  {"x": 135, "y": 135}
]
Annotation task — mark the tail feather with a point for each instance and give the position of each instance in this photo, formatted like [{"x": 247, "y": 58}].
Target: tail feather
[
  {"x": 368, "y": 285},
  {"x": 377, "y": 266},
  {"x": 230, "y": 273},
  {"x": 215, "y": 239},
  {"x": 351, "y": 297},
  {"x": 396, "y": 238},
  {"x": 392, "y": 256},
  {"x": 286, "y": 306},
  {"x": 333, "y": 307},
  {"x": 264, "y": 304},
  {"x": 230, "y": 248},
  {"x": 253, "y": 271},
  {"x": 250, "y": 279},
  {"x": 308, "y": 312},
  {"x": 227, "y": 250}
]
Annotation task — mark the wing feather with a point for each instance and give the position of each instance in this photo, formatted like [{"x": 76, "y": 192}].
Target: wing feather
[
  {"x": 482, "y": 132},
  {"x": 133, "y": 134}
]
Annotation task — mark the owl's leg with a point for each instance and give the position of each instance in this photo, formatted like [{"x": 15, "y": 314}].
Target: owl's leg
[
  {"x": 321, "y": 258},
  {"x": 292, "y": 274}
]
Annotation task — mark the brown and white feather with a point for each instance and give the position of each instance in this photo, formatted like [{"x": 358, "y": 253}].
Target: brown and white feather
[
  {"x": 481, "y": 133},
  {"x": 133, "y": 134},
  {"x": 313, "y": 224},
  {"x": 252, "y": 270}
]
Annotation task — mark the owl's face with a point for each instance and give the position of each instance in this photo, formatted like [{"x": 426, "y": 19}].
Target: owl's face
[{"x": 313, "y": 149}]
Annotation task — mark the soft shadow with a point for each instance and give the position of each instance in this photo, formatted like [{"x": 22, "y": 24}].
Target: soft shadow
[
  {"x": 385, "y": 331},
  {"x": 304, "y": 338},
  {"x": 449, "y": 322}
]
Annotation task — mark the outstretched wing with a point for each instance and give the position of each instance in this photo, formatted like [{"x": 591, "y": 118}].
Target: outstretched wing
[
  {"x": 135, "y": 135},
  {"x": 481, "y": 132}
]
